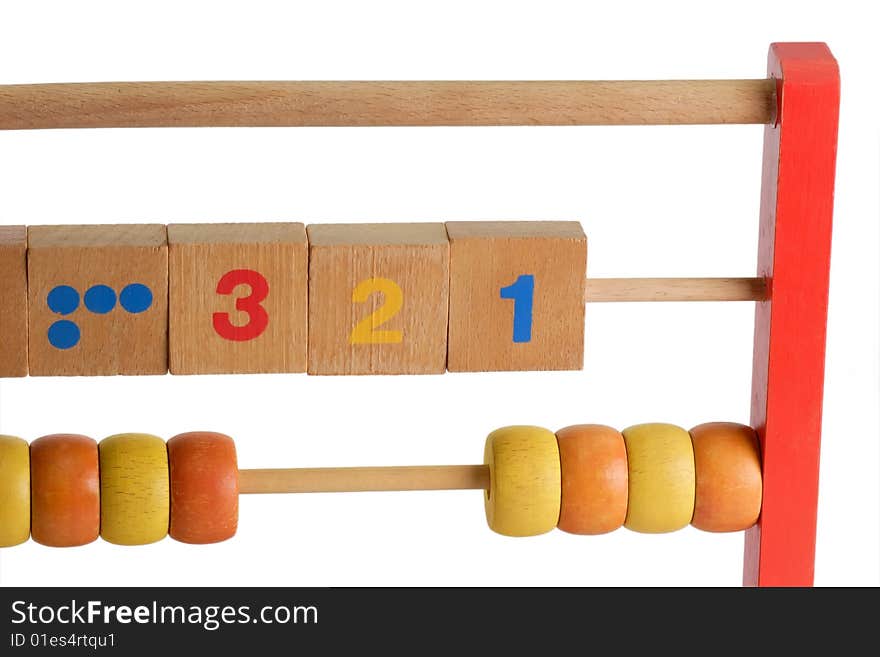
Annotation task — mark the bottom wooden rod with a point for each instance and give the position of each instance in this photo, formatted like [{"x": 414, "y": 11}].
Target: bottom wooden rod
[{"x": 350, "y": 480}]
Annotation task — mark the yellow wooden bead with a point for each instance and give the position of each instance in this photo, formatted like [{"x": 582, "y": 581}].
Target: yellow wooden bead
[
  {"x": 525, "y": 486},
  {"x": 135, "y": 498},
  {"x": 15, "y": 491},
  {"x": 662, "y": 482}
]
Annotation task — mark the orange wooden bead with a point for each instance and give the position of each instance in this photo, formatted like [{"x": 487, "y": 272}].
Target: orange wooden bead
[
  {"x": 729, "y": 483},
  {"x": 594, "y": 479},
  {"x": 204, "y": 487},
  {"x": 65, "y": 490}
]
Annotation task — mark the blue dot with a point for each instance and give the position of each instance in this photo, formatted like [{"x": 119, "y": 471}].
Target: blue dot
[
  {"x": 63, "y": 334},
  {"x": 63, "y": 299},
  {"x": 136, "y": 298},
  {"x": 100, "y": 299}
]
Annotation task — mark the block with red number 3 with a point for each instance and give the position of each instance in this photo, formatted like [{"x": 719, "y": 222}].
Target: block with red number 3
[{"x": 238, "y": 298}]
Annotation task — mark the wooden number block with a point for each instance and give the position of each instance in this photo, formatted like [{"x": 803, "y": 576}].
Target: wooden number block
[
  {"x": 98, "y": 299},
  {"x": 516, "y": 295},
  {"x": 13, "y": 301},
  {"x": 378, "y": 298},
  {"x": 238, "y": 298}
]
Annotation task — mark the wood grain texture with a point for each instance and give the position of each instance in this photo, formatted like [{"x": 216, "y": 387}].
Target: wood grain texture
[
  {"x": 595, "y": 485},
  {"x": 13, "y": 301},
  {"x": 486, "y": 256},
  {"x": 135, "y": 497},
  {"x": 525, "y": 481},
  {"x": 727, "y": 462},
  {"x": 204, "y": 487},
  {"x": 365, "y": 479},
  {"x": 794, "y": 249},
  {"x": 415, "y": 103},
  {"x": 116, "y": 256},
  {"x": 675, "y": 289},
  {"x": 15, "y": 491},
  {"x": 65, "y": 490},
  {"x": 661, "y": 478},
  {"x": 199, "y": 256},
  {"x": 342, "y": 257}
]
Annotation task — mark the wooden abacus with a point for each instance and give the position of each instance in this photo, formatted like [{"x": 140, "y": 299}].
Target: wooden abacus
[{"x": 154, "y": 290}]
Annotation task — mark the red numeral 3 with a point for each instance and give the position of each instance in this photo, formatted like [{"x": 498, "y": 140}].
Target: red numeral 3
[{"x": 258, "y": 318}]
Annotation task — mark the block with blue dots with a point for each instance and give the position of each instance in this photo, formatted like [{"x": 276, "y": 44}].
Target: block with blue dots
[{"x": 97, "y": 300}]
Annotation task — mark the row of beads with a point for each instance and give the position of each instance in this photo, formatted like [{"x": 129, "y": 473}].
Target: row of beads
[
  {"x": 651, "y": 478},
  {"x": 132, "y": 489}
]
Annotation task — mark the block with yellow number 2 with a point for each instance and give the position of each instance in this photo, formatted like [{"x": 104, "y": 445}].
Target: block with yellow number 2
[
  {"x": 516, "y": 295},
  {"x": 237, "y": 298},
  {"x": 378, "y": 298}
]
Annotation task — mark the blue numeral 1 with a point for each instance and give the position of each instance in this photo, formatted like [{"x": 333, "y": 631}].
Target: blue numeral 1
[{"x": 522, "y": 292}]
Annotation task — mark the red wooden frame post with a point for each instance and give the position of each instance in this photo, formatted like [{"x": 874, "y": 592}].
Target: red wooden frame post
[{"x": 797, "y": 196}]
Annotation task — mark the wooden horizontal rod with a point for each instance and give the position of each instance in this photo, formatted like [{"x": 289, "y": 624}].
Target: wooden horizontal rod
[
  {"x": 676, "y": 289},
  {"x": 350, "y": 480},
  {"x": 415, "y": 103}
]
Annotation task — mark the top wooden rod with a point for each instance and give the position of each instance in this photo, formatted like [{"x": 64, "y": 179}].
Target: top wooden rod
[{"x": 441, "y": 103}]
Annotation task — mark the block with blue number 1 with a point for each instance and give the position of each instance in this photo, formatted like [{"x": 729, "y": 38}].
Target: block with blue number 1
[
  {"x": 97, "y": 300},
  {"x": 516, "y": 295}
]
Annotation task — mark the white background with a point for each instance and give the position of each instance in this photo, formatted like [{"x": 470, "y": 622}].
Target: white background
[{"x": 664, "y": 201}]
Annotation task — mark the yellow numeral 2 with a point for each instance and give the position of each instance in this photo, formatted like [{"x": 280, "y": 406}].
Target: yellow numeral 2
[{"x": 365, "y": 331}]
